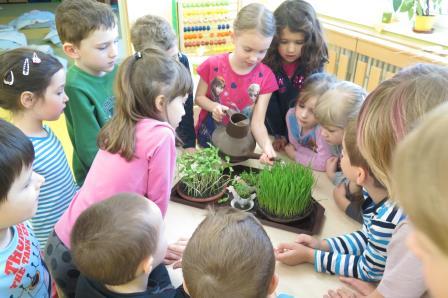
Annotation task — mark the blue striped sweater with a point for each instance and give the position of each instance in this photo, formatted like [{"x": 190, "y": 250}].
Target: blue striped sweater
[
  {"x": 59, "y": 187},
  {"x": 362, "y": 254}
]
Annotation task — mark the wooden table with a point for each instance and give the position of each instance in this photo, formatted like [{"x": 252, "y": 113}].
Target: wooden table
[{"x": 299, "y": 281}]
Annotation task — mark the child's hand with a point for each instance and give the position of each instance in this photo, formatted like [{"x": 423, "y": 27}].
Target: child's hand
[
  {"x": 308, "y": 241},
  {"x": 190, "y": 150},
  {"x": 290, "y": 151},
  {"x": 341, "y": 293},
  {"x": 331, "y": 167},
  {"x": 340, "y": 197},
  {"x": 268, "y": 155},
  {"x": 175, "y": 251},
  {"x": 218, "y": 112},
  {"x": 294, "y": 254},
  {"x": 279, "y": 143},
  {"x": 364, "y": 288}
]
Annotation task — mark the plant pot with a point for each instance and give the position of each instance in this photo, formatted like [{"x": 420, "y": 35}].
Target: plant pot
[
  {"x": 424, "y": 24},
  {"x": 275, "y": 218},
  {"x": 180, "y": 188}
]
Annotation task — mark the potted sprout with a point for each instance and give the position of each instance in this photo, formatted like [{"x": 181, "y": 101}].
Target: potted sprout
[
  {"x": 284, "y": 192},
  {"x": 202, "y": 175},
  {"x": 243, "y": 194}
]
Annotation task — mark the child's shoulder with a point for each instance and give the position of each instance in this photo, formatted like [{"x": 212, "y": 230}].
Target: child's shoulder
[
  {"x": 388, "y": 213},
  {"x": 78, "y": 78}
]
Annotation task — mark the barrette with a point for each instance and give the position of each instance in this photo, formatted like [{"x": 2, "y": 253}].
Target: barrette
[
  {"x": 36, "y": 59},
  {"x": 137, "y": 55},
  {"x": 26, "y": 67},
  {"x": 9, "y": 78}
]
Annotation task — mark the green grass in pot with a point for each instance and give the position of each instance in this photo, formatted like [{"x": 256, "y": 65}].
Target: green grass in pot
[
  {"x": 202, "y": 172},
  {"x": 284, "y": 190}
]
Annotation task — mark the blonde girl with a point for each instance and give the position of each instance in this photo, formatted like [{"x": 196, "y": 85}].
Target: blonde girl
[
  {"x": 32, "y": 89},
  {"x": 420, "y": 186},
  {"x": 297, "y": 51},
  {"x": 137, "y": 147},
  {"x": 306, "y": 144},
  {"x": 253, "y": 30}
]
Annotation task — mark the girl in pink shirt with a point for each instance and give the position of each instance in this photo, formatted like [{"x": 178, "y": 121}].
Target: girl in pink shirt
[{"x": 137, "y": 149}]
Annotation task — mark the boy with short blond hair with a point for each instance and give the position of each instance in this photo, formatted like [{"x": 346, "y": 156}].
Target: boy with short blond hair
[
  {"x": 229, "y": 255},
  {"x": 22, "y": 271},
  {"x": 88, "y": 32},
  {"x": 154, "y": 31}
]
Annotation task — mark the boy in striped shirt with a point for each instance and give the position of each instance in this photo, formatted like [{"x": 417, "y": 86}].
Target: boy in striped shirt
[{"x": 361, "y": 254}]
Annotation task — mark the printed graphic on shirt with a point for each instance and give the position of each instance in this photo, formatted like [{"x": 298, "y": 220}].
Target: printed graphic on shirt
[
  {"x": 22, "y": 273},
  {"x": 108, "y": 106}
]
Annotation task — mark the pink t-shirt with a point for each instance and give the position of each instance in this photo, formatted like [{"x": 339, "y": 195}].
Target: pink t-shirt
[
  {"x": 150, "y": 173},
  {"x": 231, "y": 89}
]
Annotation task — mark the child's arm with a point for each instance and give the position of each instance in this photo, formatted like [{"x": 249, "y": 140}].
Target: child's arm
[
  {"x": 207, "y": 104},
  {"x": 258, "y": 127}
]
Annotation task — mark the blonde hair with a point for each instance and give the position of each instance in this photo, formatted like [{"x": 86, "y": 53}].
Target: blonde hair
[
  {"x": 340, "y": 104},
  {"x": 140, "y": 79},
  {"x": 152, "y": 31},
  {"x": 229, "y": 255},
  {"x": 314, "y": 86},
  {"x": 255, "y": 16},
  {"x": 420, "y": 176},
  {"x": 389, "y": 111}
]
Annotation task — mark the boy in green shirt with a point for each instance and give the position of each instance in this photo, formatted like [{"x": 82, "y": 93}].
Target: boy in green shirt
[{"x": 89, "y": 34}]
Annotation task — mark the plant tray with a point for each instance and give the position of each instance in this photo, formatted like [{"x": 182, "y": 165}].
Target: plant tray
[{"x": 311, "y": 226}]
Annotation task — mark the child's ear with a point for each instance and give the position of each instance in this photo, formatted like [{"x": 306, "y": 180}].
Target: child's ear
[
  {"x": 70, "y": 50},
  {"x": 160, "y": 103},
  {"x": 147, "y": 264},
  {"x": 273, "y": 284},
  {"x": 361, "y": 176},
  {"x": 27, "y": 99}
]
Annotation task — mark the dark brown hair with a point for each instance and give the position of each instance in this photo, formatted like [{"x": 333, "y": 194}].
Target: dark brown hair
[
  {"x": 76, "y": 19},
  {"x": 17, "y": 153},
  {"x": 138, "y": 83},
  {"x": 112, "y": 238},
  {"x": 299, "y": 17},
  {"x": 152, "y": 31},
  {"x": 36, "y": 81},
  {"x": 229, "y": 255}
]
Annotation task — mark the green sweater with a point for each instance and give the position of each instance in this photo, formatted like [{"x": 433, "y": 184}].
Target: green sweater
[{"x": 90, "y": 106}]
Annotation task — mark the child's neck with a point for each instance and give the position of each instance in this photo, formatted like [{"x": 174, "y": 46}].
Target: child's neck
[
  {"x": 139, "y": 284},
  {"x": 5, "y": 237},
  {"x": 239, "y": 69},
  {"x": 28, "y": 125},
  {"x": 376, "y": 193}
]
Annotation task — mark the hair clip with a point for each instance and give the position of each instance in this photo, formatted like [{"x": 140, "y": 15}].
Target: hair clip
[
  {"x": 26, "y": 67},
  {"x": 137, "y": 55},
  {"x": 36, "y": 59},
  {"x": 9, "y": 78}
]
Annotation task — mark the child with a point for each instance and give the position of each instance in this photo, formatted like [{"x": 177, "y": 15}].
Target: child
[
  {"x": 151, "y": 31},
  {"x": 35, "y": 93},
  {"x": 419, "y": 171},
  {"x": 137, "y": 147},
  {"x": 254, "y": 28},
  {"x": 297, "y": 51},
  {"x": 113, "y": 244},
  {"x": 307, "y": 145},
  {"x": 229, "y": 255},
  {"x": 22, "y": 272},
  {"x": 334, "y": 109},
  {"x": 89, "y": 33},
  {"x": 361, "y": 254}
]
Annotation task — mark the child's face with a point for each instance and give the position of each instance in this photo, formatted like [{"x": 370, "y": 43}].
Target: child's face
[
  {"x": 290, "y": 45},
  {"x": 305, "y": 113},
  {"x": 21, "y": 201},
  {"x": 176, "y": 110},
  {"x": 434, "y": 262},
  {"x": 97, "y": 54},
  {"x": 250, "y": 48},
  {"x": 52, "y": 105},
  {"x": 332, "y": 134}
]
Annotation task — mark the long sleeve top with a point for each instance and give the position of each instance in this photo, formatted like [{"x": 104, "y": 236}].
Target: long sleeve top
[
  {"x": 311, "y": 149},
  {"x": 150, "y": 173},
  {"x": 362, "y": 254}
]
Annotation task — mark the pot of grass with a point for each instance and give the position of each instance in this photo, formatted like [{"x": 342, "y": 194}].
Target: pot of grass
[
  {"x": 284, "y": 192},
  {"x": 202, "y": 174}
]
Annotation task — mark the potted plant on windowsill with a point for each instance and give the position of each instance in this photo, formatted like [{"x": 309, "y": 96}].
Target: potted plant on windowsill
[
  {"x": 425, "y": 12},
  {"x": 284, "y": 192},
  {"x": 203, "y": 175}
]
